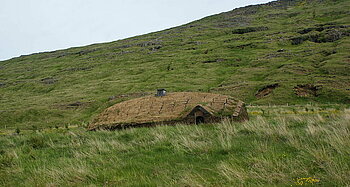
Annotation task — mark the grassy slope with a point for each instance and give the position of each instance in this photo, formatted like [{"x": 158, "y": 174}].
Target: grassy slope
[
  {"x": 174, "y": 58},
  {"x": 267, "y": 151}
]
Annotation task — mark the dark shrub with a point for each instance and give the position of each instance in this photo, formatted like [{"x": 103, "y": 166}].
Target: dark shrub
[
  {"x": 36, "y": 142},
  {"x": 249, "y": 29}
]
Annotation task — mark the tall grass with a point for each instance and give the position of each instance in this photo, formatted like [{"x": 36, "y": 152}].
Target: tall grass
[
  {"x": 266, "y": 151},
  {"x": 318, "y": 149}
]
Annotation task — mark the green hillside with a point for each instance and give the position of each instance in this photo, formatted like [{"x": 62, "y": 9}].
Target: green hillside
[{"x": 293, "y": 52}]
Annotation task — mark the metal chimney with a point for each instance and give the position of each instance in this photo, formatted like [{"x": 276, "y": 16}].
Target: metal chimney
[{"x": 161, "y": 92}]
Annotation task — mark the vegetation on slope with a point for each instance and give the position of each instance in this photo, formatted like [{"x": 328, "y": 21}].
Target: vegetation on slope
[
  {"x": 282, "y": 52},
  {"x": 287, "y": 150}
]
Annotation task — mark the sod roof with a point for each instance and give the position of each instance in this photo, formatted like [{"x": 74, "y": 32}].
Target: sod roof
[{"x": 173, "y": 106}]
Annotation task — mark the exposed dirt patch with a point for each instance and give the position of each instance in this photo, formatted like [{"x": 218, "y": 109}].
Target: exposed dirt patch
[
  {"x": 266, "y": 90},
  {"x": 306, "y": 90}
]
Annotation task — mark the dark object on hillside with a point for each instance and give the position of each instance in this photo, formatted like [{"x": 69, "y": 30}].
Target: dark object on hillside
[
  {"x": 266, "y": 90},
  {"x": 155, "y": 48},
  {"x": 169, "y": 68},
  {"x": 2, "y": 84},
  {"x": 48, "y": 81},
  {"x": 161, "y": 92},
  {"x": 249, "y": 29},
  {"x": 18, "y": 131},
  {"x": 280, "y": 50},
  {"x": 180, "y": 107},
  {"x": 191, "y": 48},
  {"x": 306, "y": 90},
  {"x": 76, "y": 104}
]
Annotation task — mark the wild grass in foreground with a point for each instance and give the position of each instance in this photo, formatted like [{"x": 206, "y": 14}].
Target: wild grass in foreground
[{"x": 266, "y": 151}]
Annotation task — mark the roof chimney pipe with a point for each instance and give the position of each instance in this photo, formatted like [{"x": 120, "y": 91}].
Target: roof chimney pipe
[{"x": 161, "y": 92}]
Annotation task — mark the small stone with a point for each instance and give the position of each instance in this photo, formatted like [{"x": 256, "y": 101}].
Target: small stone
[{"x": 111, "y": 98}]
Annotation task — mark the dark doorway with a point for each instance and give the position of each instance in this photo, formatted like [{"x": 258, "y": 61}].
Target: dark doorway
[{"x": 199, "y": 119}]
